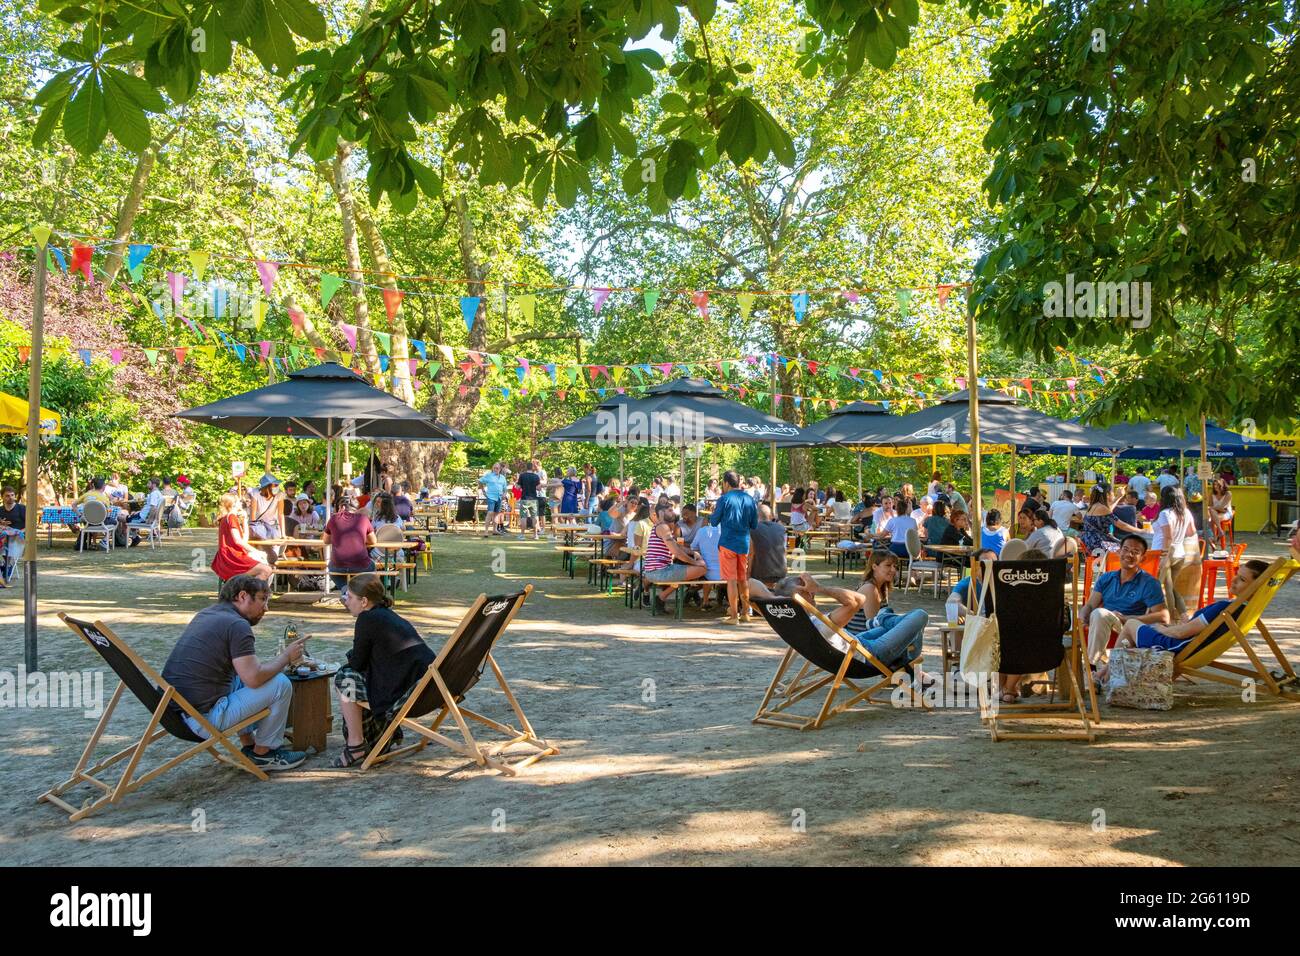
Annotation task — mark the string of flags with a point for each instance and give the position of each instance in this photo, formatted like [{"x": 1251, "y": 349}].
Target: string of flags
[{"x": 83, "y": 248}]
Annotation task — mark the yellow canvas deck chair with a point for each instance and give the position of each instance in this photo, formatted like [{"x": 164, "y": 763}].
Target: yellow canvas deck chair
[
  {"x": 455, "y": 670},
  {"x": 167, "y": 707},
  {"x": 1200, "y": 657},
  {"x": 1037, "y": 633},
  {"x": 823, "y": 665}
]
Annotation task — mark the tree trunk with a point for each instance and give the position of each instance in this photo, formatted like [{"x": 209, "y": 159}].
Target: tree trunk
[
  {"x": 336, "y": 175},
  {"x": 130, "y": 207}
]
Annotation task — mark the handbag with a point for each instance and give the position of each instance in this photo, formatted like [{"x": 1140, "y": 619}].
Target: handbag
[
  {"x": 1141, "y": 678},
  {"x": 980, "y": 649}
]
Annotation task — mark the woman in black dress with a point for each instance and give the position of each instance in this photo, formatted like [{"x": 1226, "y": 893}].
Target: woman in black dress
[{"x": 387, "y": 659}]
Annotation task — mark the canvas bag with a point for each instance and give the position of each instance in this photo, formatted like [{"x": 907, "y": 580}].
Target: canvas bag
[
  {"x": 1141, "y": 678},
  {"x": 980, "y": 651}
]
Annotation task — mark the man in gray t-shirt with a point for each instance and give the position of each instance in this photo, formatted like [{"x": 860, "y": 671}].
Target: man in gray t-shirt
[
  {"x": 215, "y": 667},
  {"x": 767, "y": 548}
]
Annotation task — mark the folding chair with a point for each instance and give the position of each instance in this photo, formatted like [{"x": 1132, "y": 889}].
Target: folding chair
[
  {"x": 166, "y": 705},
  {"x": 1036, "y": 633},
  {"x": 1200, "y": 656},
  {"x": 466, "y": 512},
  {"x": 823, "y": 664},
  {"x": 95, "y": 516},
  {"x": 455, "y": 670}
]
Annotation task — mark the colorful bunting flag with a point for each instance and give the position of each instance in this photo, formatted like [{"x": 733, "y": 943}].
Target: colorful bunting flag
[
  {"x": 176, "y": 282},
  {"x": 42, "y": 236},
  {"x": 701, "y": 300},
  {"x": 199, "y": 263},
  {"x": 267, "y": 272},
  {"x": 392, "y": 302},
  {"x": 598, "y": 298},
  {"x": 904, "y": 297},
  {"x": 651, "y": 298},
  {"x": 528, "y": 306},
  {"x": 349, "y": 335},
  {"x": 329, "y": 284},
  {"x": 746, "y": 300},
  {"x": 81, "y": 255},
  {"x": 469, "y": 310},
  {"x": 800, "y": 303}
]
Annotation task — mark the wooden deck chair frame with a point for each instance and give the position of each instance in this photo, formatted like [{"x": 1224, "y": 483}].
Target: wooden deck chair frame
[
  {"x": 811, "y": 678},
  {"x": 129, "y": 781},
  {"x": 1071, "y": 705},
  {"x": 1200, "y": 657},
  {"x": 485, "y": 755}
]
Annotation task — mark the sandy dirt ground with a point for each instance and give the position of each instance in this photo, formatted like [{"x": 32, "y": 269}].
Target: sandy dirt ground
[{"x": 677, "y": 776}]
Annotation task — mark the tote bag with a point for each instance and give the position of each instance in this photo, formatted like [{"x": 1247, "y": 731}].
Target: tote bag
[{"x": 980, "y": 651}]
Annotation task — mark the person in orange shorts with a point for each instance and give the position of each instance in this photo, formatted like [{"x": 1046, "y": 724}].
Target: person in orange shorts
[{"x": 735, "y": 515}]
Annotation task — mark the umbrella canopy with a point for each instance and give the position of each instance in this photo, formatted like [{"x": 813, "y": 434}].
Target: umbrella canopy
[
  {"x": 685, "y": 411},
  {"x": 1148, "y": 440},
  {"x": 845, "y": 424},
  {"x": 324, "y": 401},
  {"x": 13, "y": 417},
  {"x": 944, "y": 428}
]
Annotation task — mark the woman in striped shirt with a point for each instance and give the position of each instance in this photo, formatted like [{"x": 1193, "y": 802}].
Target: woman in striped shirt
[{"x": 662, "y": 548}]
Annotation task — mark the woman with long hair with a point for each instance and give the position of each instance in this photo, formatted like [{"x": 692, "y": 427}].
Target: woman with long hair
[
  {"x": 1098, "y": 520},
  {"x": 235, "y": 555},
  {"x": 387, "y": 659},
  {"x": 1174, "y": 535},
  {"x": 1220, "y": 510}
]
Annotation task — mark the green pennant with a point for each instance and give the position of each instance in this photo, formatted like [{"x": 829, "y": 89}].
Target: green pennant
[
  {"x": 328, "y": 286},
  {"x": 385, "y": 341},
  {"x": 573, "y": 374},
  {"x": 640, "y": 375},
  {"x": 437, "y": 388},
  {"x": 152, "y": 356},
  {"x": 136, "y": 271},
  {"x": 833, "y": 371},
  {"x": 904, "y": 300},
  {"x": 496, "y": 361},
  {"x": 726, "y": 369},
  {"x": 651, "y": 297},
  {"x": 434, "y": 368}
]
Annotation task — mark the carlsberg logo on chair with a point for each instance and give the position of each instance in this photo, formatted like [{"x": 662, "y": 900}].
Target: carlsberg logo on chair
[
  {"x": 779, "y": 611},
  {"x": 1016, "y": 578}
]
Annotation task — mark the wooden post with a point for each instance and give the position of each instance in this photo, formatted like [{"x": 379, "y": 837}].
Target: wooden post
[
  {"x": 620, "y": 469},
  {"x": 972, "y": 393},
  {"x": 771, "y": 485},
  {"x": 1205, "y": 491},
  {"x": 1014, "y": 529},
  {"x": 329, "y": 495},
  {"x": 698, "y": 458},
  {"x": 859, "y": 476},
  {"x": 33, "y": 462}
]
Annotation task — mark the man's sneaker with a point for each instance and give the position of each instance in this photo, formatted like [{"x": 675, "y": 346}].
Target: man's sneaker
[{"x": 277, "y": 759}]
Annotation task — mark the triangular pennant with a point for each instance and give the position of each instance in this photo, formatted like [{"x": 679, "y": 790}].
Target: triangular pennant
[
  {"x": 550, "y": 370},
  {"x": 299, "y": 319},
  {"x": 469, "y": 310},
  {"x": 433, "y": 369},
  {"x": 85, "y": 356},
  {"x": 241, "y": 351},
  {"x": 176, "y": 282},
  {"x": 58, "y": 255},
  {"x": 115, "y": 356},
  {"x": 152, "y": 356},
  {"x": 527, "y": 306},
  {"x": 572, "y": 373},
  {"x": 180, "y": 355},
  {"x": 349, "y": 335},
  {"x": 265, "y": 348},
  {"x": 495, "y": 360},
  {"x": 199, "y": 263},
  {"x": 329, "y": 284},
  {"x": 746, "y": 300},
  {"x": 418, "y": 345},
  {"x": 42, "y": 236},
  {"x": 345, "y": 359},
  {"x": 904, "y": 297},
  {"x": 447, "y": 354},
  {"x": 392, "y": 302},
  {"x": 267, "y": 272},
  {"x": 944, "y": 291},
  {"x": 851, "y": 295},
  {"x": 701, "y": 300},
  {"x": 598, "y": 298},
  {"x": 384, "y": 340},
  {"x": 136, "y": 253},
  {"x": 81, "y": 255},
  {"x": 799, "y": 301},
  {"x": 651, "y": 297},
  {"x": 383, "y": 363},
  {"x": 259, "y": 313}
]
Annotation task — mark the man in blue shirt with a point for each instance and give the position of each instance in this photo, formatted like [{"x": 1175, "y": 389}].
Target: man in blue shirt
[
  {"x": 1120, "y": 596},
  {"x": 735, "y": 515},
  {"x": 494, "y": 486}
]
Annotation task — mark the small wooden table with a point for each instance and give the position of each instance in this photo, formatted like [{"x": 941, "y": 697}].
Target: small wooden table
[{"x": 310, "y": 716}]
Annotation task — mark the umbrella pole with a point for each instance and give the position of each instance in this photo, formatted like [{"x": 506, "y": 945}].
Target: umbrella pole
[
  {"x": 698, "y": 459},
  {"x": 1205, "y": 492},
  {"x": 329, "y": 494},
  {"x": 972, "y": 395},
  {"x": 33, "y": 464},
  {"x": 859, "y": 476},
  {"x": 1069, "y": 460},
  {"x": 1015, "y": 528},
  {"x": 682, "y": 472},
  {"x": 620, "y": 467},
  {"x": 771, "y": 485}
]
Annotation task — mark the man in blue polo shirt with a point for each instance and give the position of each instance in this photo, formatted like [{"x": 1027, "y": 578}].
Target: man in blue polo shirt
[
  {"x": 1119, "y": 596},
  {"x": 494, "y": 486}
]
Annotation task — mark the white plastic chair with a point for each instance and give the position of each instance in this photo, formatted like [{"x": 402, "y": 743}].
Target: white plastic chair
[
  {"x": 390, "y": 533},
  {"x": 1013, "y": 550},
  {"x": 152, "y": 530},
  {"x": 95, "y": 517},
  {"x": 919, "y": 566}
]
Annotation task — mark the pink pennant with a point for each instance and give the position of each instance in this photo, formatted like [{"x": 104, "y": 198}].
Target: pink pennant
[
  {"x": 299, "y": 320},
  {"x": 562, "y": 394},
  {"x": 462, "y": 391},
  {"x": 961, "y": 381},
  {"x": 176, "y": 282},
  {"x": 598, "y": 297},
  {"x": 523, "y": 364},
  {"x": 701, "y": 300},
  {"x": 411, "y": 366},
  {"x": 851, "y": 296},
  {"x": 350, "y": 334},
  {"x": 476, "y": 358},
  {"x": 81, "y": 259},
  {"x": 853, "y": 372},
  {"x": 265, "y": 348},
  {"x": 466, "y": 369},
  {"x": 115, "y": 356},
  {"x": 392, "y": 302},
  {"x": 267, "y": 272},
  {"x": 666, "y": 368},
  {"x": 945, "y": 290},
  {"x": 1071, "y": 384}
]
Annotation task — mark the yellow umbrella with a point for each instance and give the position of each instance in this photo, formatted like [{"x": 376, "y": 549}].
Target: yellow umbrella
[{"x": 13, "y": 417}]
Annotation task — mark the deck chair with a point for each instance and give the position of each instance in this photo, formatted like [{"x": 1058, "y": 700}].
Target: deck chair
[
  {"x": 455, "y": 670},
  {"x": 1200, "y": 656},
  {"x": 466, "y": 511},
  {"x": 823, "y": 664},
  {"x": 1037, "y": 632},
  {"x": 167, "y": 707}
]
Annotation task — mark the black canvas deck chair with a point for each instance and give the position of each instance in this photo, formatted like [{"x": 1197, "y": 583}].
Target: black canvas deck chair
[
  {"x": 822, "y": 664},
  {"x": 166, "y": 706},
  {"x": 1037, "y": 632},
  {"x": 1200, "y": 656},
  {"x": 455, "y": 670},
  {"x": 466, "y": 512}
]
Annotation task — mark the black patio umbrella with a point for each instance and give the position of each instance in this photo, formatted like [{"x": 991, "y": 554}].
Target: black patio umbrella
[
  {"x": 846, "y": 422},
  {"x": 681, "y": 413},
  {"x": 325, "y": 401}
]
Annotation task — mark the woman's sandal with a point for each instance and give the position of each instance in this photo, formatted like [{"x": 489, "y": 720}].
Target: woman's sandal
[
  {"x": 1008, "y": 698},
  {"x": 349, "y": 755}
]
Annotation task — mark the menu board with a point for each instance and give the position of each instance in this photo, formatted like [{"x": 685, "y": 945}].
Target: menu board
[{"x": 1281, "y": 480}]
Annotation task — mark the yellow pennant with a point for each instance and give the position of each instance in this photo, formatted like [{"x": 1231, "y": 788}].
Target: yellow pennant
[
  {"x": 42, "y": 236},
  {"x": 199, "y": 263},
  {"x": 259, "y": 313}
]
